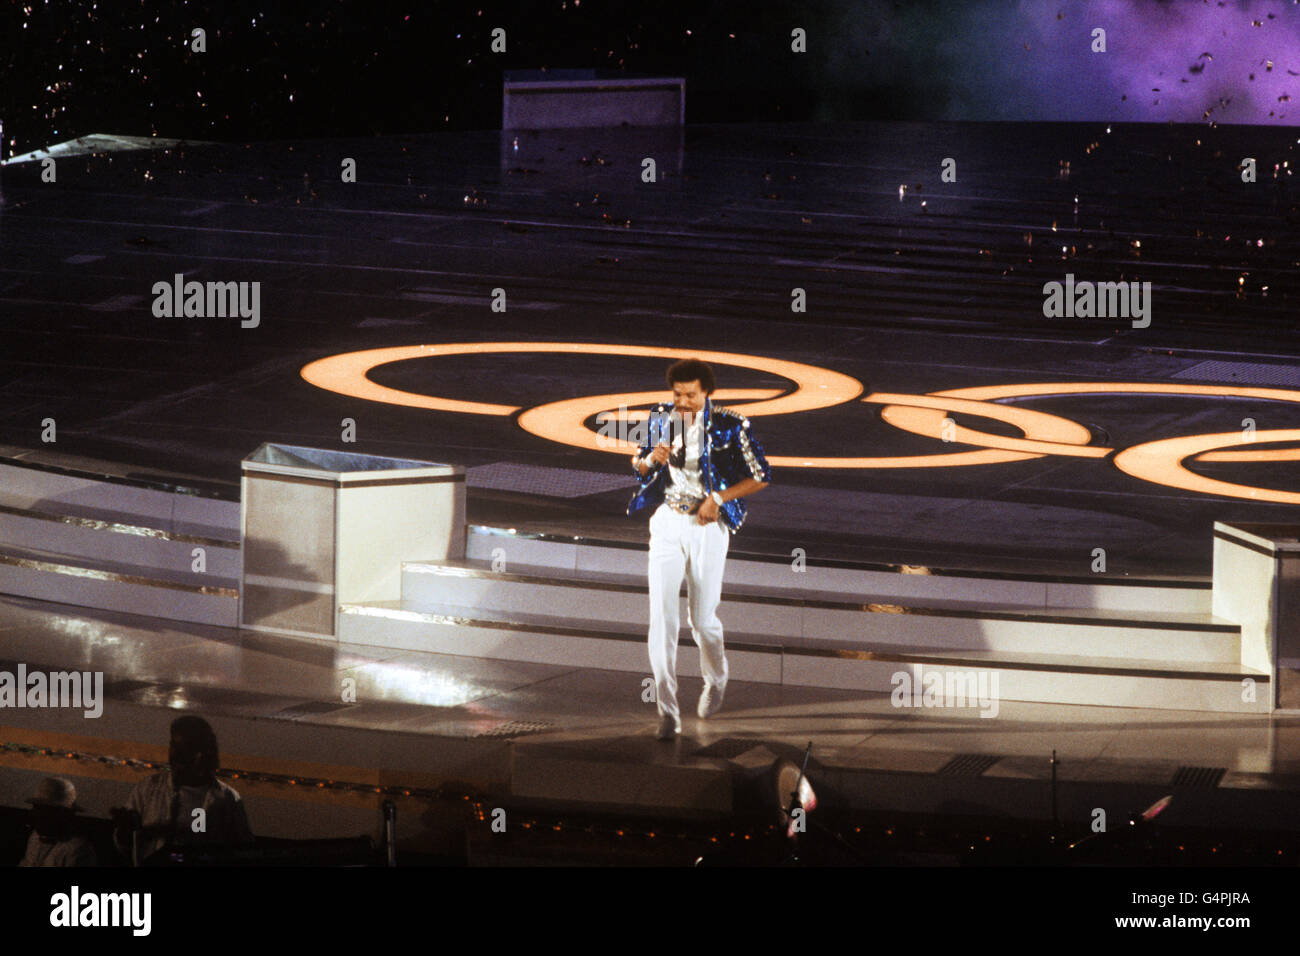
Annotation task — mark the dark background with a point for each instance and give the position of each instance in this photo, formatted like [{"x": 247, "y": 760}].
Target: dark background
[{"x": 352, "y": 68}]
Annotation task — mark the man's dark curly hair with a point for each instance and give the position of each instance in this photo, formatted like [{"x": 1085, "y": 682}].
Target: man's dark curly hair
[
  {"x": 198, "y": 735},
  {"x": 692, "y": 370}
]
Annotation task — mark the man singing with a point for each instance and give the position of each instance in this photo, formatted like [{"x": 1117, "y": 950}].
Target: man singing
[{"x": 696, "y": 479}]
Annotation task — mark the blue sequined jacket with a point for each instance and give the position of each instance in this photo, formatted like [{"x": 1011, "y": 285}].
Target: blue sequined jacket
[{"x": 730, "y": 455}]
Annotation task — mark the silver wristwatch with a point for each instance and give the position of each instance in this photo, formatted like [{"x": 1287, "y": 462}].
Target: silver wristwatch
[{"x": 717, "y": 498}]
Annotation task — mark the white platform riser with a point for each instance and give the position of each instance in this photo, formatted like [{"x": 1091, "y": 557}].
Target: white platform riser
[
  {"x": 502, "y": 599},
  {"x": 175, "y": 513},
  {"x": 1110, "y": 690},
  {"x": 795, "y": 669},
  {"x": 138, "y": 551},
  {"x": 169, "y": 603},
  {"x": 562, "y": 556}
]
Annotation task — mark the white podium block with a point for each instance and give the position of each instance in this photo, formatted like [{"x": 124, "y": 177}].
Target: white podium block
[
  {"x": 323, "y": 528},
  {"x": 1257, "y": 585}
]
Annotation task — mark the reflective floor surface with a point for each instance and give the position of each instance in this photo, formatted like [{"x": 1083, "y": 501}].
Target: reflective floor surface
[{"x": 564, "y": 734}]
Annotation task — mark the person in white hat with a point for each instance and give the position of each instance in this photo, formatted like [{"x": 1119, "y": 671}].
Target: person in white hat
[{"x": 54, "y": 840}]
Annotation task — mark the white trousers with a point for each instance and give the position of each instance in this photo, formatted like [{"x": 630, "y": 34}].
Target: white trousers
[{"x": 681, "y": 546}]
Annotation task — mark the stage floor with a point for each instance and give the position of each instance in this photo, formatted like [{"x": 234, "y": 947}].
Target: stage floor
[
  {"x": 580, "y": 738},
  {"x": 936, "y": 287}
]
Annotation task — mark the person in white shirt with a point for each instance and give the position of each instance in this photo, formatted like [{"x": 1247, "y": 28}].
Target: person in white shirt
[
  {"x": 696, "y": 479},
  {"x": 160, "y": 810}
]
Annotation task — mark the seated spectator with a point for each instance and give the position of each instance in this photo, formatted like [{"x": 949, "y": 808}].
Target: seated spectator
[
  {"x": 55, "y": 839},
  {"x": 163, "y": 810}
]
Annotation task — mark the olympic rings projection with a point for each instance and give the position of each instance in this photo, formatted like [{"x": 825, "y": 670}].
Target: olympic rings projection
[{"x": 565, "y": 421}]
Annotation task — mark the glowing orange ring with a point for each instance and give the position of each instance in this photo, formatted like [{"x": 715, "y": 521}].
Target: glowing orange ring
[
  {"x": 564, "y": 422},
  {"x": 347, "y": 374},
  {"x": 925, "y": 415},
  {"x": 1161, "y": 462}
]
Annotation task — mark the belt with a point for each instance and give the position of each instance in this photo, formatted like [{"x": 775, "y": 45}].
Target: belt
[{"x": 685, "y": 506}]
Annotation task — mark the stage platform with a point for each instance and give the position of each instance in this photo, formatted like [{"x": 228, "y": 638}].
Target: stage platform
[
  {"x": 914, "y": 286},
  {"x": 537, "y": 737}
]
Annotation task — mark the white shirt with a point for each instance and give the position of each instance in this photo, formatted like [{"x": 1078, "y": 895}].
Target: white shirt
[
  {"x": 74, "y": 851},
  {"x": 686, "y": 481}
]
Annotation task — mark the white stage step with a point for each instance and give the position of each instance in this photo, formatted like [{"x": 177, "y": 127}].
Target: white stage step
[
  {"x": 107, "y": 539},
  {"x": 468, "y": 589},
  {"x": 1088, "y": 640},
  {"x": 176, "y": 596},
  {"x": 54, "y": 493},
  {"x": 82, "y": 540},
  {"x": 1064, "y": 678},
  {"x": 1116, "y": 642},
  {"x": 1170, "y": 595}
]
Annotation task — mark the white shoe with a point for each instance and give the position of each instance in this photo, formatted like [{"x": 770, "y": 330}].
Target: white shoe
[
  {"x": 710, "y": 702},
  {"x": 669, "y": 727}
]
